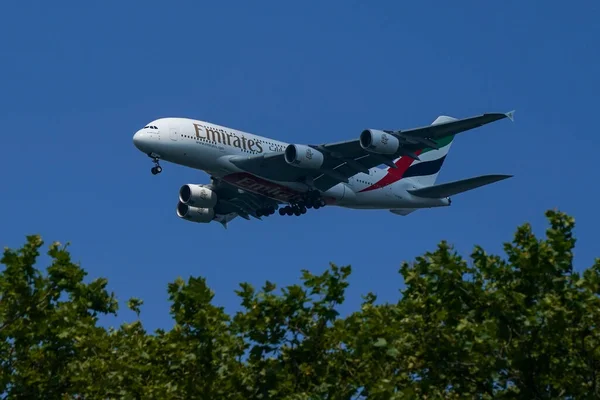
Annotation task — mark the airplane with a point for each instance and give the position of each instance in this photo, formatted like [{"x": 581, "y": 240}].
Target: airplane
[{"x": 254, "y": 176}]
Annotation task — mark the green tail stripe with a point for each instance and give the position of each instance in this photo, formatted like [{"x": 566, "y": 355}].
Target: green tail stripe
[{"x": 443, "y": 142}]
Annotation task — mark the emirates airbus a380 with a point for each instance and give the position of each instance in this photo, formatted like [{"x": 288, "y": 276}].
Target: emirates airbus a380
[{"x": 253, "y": 176}]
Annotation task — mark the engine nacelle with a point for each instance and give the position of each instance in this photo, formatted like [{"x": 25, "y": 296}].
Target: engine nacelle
[
  {"x": 303, "y": 156},
  {"x": 379, "y": 142},
  {"x": 197, "y": 196},
  {"x": 195, "y": 214}
]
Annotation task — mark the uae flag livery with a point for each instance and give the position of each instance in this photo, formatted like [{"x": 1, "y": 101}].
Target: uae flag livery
[{"x": 426, "y": 169}]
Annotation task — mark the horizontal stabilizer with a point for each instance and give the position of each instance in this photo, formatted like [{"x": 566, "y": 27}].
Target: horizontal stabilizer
[{"x": 452, "y": 188}]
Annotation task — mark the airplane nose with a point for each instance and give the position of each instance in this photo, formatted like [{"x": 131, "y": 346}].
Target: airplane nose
[{"x": 138, "y": 139}]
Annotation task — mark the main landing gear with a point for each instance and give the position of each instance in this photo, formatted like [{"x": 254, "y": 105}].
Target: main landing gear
[
  {"x": 294, "y": 209},
  {"x": 313, "y": 200},
  {"x": 157, "y": 169},
  {"x": 265, "y": 212}
]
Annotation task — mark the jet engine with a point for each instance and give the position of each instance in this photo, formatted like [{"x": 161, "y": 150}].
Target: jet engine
[
  {"x": 379, "y": 142},
  {"x": 195, "y": 214},
  {"x": 197, "y": 196},
  {"x": 303, "y": 156}
]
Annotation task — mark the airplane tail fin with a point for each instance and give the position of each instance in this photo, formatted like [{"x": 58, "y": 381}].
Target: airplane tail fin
[{"x": 426, "y": 170}]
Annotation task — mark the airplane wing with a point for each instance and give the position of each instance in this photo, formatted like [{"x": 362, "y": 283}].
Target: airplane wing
[
  {"x": 342, "y": 160},
  {"x": 456, "y": 187},
  {"x": 233, "y": 202}
]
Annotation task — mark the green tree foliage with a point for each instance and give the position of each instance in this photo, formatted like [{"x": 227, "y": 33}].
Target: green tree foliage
[{"x": 521, "y": 326}]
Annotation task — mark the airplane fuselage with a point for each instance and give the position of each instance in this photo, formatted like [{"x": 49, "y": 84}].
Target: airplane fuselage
[{"x": 208, "y": 147}]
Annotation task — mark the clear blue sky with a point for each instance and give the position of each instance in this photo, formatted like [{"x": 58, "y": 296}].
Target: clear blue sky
[{"x": 79, "y": 78}]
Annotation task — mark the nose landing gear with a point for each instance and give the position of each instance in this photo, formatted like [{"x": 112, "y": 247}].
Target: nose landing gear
[{"x": 157, "y": 169}]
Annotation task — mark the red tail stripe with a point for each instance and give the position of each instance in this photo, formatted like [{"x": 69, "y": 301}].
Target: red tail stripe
[{"x": 393, "y": 174}]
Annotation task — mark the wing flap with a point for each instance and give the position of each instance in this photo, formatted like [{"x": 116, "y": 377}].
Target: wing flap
[{"x": 456, "y": 187}]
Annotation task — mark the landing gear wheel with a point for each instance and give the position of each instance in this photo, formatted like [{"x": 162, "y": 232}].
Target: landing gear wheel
[
  {"x": 265, "y": 212},
  {"x": 157, "y": 169},
  {"x": 294, "y": 209},
  {"x": 315, "y": 203}
]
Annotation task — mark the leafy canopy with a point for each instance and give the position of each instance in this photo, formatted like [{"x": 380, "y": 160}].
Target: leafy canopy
[{"x": 518, "y": 327}]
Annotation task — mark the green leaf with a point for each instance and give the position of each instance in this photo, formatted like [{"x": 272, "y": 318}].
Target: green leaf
[
  {"x": 392, "y": 352},
  {"x": 134, "y": 305}
]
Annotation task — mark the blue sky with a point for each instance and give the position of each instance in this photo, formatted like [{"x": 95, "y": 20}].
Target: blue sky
[{"x": 79, "y": 78}]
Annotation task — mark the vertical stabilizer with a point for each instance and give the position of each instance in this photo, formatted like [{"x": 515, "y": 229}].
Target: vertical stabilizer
[{"x": 426, "y": 170}]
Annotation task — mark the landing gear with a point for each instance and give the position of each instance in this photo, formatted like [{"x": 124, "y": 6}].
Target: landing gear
[
  {"x": 313, "y": 199},
  {"x": 293, "y": 209},
  {"x": 157, "y": 169},
  {"x": 318, "y": 204},
  {"x": 266, "y": 211}
]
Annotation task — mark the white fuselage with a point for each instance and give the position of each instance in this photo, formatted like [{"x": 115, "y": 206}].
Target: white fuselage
[{"x": 208, "y": 147}]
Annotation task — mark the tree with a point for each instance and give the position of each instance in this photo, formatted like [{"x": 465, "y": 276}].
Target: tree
[{"x": 522, "y": 326}]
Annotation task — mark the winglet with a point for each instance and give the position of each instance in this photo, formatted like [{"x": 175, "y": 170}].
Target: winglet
[{"x": 511, "y": 115}]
